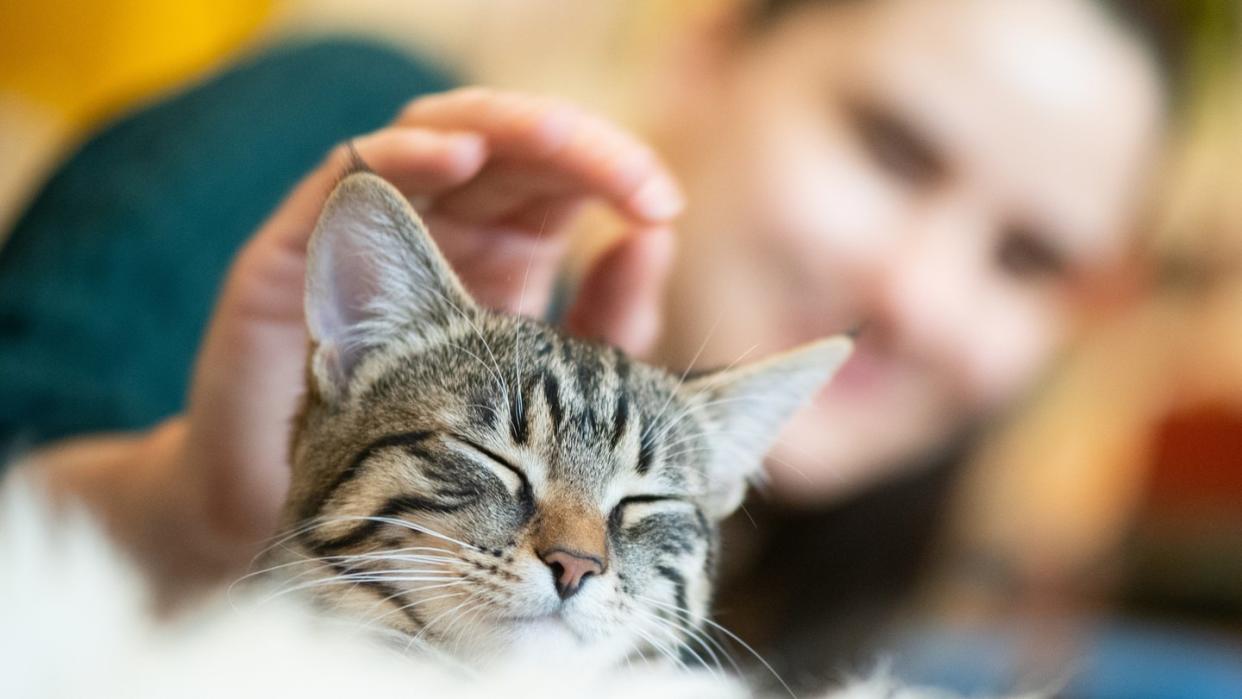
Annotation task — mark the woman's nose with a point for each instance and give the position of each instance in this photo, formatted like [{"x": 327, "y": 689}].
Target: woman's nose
[{"x": 920, "y": 293}]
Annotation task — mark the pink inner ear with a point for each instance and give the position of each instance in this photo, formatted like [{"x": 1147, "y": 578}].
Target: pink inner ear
[
  {"x": 344, "y": 286},
  {"x": 374, "y": 274}
]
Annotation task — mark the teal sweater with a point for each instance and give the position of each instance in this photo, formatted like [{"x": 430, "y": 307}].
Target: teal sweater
[{"x": 108, "y": 278}]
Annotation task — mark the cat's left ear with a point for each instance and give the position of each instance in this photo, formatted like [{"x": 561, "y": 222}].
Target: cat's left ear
[
  {"x": 747, "y": 407},
  {"x": 373, "y": 277}
]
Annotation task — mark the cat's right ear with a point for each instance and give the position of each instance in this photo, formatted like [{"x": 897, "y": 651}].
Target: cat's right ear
[
  {"x": 373, "y": 278},
  {"x": 746, "y": 408}
]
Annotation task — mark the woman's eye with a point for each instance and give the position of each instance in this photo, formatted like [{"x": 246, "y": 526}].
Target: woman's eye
[
  {"x": 1024, "y": 255},
  {"x": 897, "y": 147}
]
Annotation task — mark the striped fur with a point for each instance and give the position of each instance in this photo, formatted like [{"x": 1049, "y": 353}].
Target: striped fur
[{"x": 443, "y": 449}]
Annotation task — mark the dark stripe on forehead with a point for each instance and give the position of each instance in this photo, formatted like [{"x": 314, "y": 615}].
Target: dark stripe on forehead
[
  {"x": 588, "y": 370},
  {"x": 552, "y": 396},
  {"x": 621, "y": 414},
  {"x": 483, "y": 411},
  {"x": 646, "y": 447},
  {"x": 405, "y": 440},
  {"x": 518, "y": 429},
  {"x": 398, "y": 505}
]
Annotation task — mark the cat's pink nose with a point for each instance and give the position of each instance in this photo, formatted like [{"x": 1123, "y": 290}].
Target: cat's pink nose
[{"x": 570, "y": 570}]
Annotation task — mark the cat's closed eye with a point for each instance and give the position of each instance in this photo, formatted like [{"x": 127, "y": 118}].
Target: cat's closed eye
[
  {"x": 522, "y": 484},
  {"x": 617, "y": 515}
]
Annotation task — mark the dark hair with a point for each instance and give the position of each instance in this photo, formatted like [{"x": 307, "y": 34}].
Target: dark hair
[
  {"x": 1164, "y": 27},
  {"x": 1161, "y": 26}
]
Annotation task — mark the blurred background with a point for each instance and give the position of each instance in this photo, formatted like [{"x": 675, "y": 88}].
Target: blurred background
[{"x": 1093, "y": 532}]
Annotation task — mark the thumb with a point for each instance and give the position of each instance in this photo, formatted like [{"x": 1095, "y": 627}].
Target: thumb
[{"x": 619, "y": 300}]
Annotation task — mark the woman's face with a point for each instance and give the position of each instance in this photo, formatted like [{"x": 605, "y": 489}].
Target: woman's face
[{"x": 950, "y": 176}]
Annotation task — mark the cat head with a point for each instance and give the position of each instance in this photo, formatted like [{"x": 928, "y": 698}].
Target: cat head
[{"x": 476, "y": 480}]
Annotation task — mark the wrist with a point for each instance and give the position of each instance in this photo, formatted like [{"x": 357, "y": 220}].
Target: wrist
[{"x": 188, "y": 545}]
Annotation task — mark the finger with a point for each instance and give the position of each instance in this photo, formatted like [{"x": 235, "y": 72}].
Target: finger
[
  {"x": 619, "y": 301},
  {"x": 502, "y": 268},
  {"x": 500, "y": 191},
  {"x": 546, "y": 216},
  {"x": 421, "y": 162},
  {"x": 510, "y": 267},
  {"x": 517, "y": 125},
  {"x": 556, "y": 138},
  {"x": 507, "y": 186},
  {"x": 417, "y": 161}
]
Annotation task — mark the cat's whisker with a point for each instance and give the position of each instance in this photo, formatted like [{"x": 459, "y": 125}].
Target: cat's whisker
[
  {"x": 454, "y": 620},
  {"x": 489, "y": 408},
  {"x": 662, "y": 649},
  {"x": 711, "y": 645},
  {"x": 281, "y": 538},
  {"x": 351, "y": 580},
  {"x": 695, "y": 406},
  {"x": 734, "y": 637},
  {"x": 486, "y": 345},
  {"x": 721, "y": 444},
  {"x": 530, "y": 261},
  {"x": 669, "y": 630},
  {"x": 427, "y": 625},
  {"x": 402, "y": 608},
  {"x": 692, "y": 402},
  {"x": 708, "y": 436},
  {"x": 397, "y": 522},
  {"x": 403, "y": 555},
  {"x": 467, "y": 625},
  {"x": 370, "y": 625},
  {"x": 501, "y": 384},
  {"x": 399, "y": 576},
  {"x": 346, "y": 567},
  {"x": 698, "y": 636},
  {"x": 396, "y": 555},
  {"x": 406, "y": 558},
  {"x": 311, "y": 561},
  {"x": 351, "y": 564},
  {"x": 681, "y": 380},
  {"x": 641, "y": 654}
]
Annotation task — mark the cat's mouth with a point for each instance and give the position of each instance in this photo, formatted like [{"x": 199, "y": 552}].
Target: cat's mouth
[
  {"x": 551, "y": 622},
  {"x": 555, "y": 615}
]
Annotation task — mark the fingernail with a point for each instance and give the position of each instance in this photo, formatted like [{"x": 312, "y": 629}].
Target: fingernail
[{"x": 658, "y": 200}]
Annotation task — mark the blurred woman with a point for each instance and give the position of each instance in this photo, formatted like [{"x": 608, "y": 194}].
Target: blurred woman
[{"x": 959, "y": 179}]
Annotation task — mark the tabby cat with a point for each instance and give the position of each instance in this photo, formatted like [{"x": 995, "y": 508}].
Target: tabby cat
[{"x": 478, "y": 482}]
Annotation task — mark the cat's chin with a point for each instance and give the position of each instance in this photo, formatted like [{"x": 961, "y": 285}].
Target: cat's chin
[
  {"x": 542, "y": 639},
  {"x": 547, "y": 631}
]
